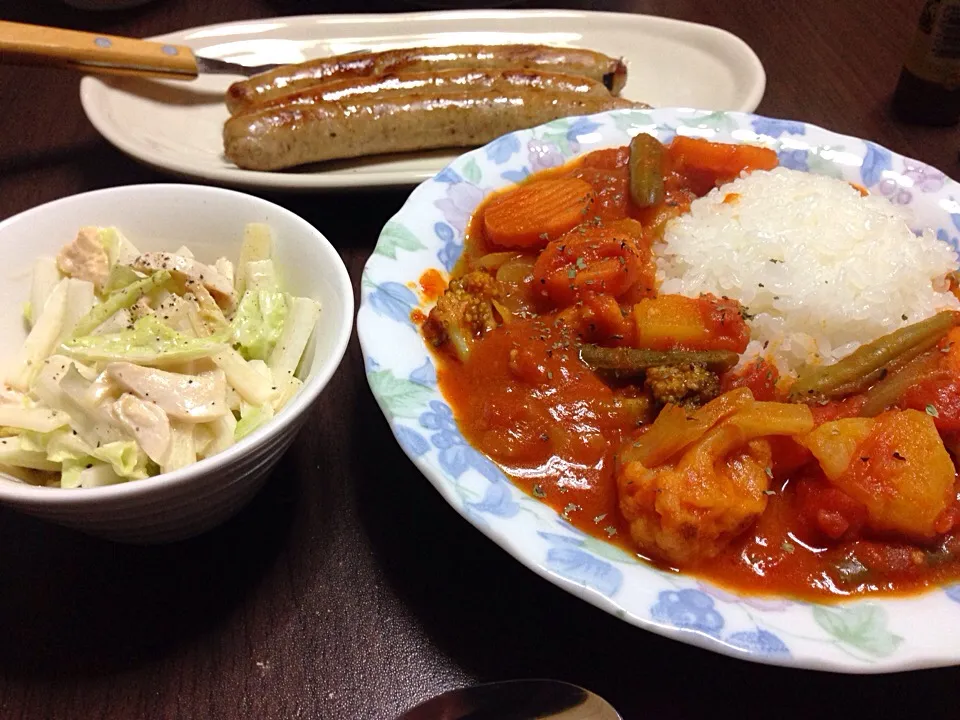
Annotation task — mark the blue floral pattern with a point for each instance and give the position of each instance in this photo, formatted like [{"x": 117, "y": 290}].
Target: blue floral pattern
[
  {"x": 449, "y": 252},
  {"x": 876, "y": 160},
  {"x": 794, "y": 159},
  {"x": 759, "y": 642},
  {"x": 874, "y": 635},
  {"x": 568, "y": 558},
  {"x": 412, "y": 442},
  {"x": 425, "y": 375},
  {"x": 501, "y": 149},
  {"x": 456, "y": 455},
  {"x": 394, "y": 301},
  {"x": 687, "y": 610},
  {"x": 776, "y": 128}
]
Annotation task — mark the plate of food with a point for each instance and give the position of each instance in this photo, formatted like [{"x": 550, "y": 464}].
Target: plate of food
[
  {"x": 696, "y": 368},
  {"x": 369, "y": 100}
]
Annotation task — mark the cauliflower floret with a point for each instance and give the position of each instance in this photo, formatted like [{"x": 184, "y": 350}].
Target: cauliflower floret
[
  {"x": 463, "y": 313},
  {"x": 700, "y": 493},
  {"x": 688, "y": 385},
  {"x": 85, "y": 258},
  {"x": 689, "y": 512}
]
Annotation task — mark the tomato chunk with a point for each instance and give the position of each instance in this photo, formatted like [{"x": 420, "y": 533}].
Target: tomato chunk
[
  {"x": 592, "y": 259},
  {"x": 940, "y": 400},
  {"x": 830, "y": 510},
  {"x": 760, "y": 376}
]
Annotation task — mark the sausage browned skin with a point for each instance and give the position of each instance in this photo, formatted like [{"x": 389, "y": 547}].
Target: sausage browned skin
[
  {"x": 405, "y": 83},
  {"x": 245, "y": 94},
  {"x": 289, "y": 135}
]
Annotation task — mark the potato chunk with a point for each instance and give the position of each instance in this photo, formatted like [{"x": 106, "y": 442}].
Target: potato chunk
[{"x": 894, "y": 464}]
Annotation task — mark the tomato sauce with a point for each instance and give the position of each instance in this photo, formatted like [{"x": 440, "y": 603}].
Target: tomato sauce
[{"x": 525, "y": 398}]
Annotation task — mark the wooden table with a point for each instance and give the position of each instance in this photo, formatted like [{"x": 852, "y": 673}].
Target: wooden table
[{"x": 348, "y": 589}]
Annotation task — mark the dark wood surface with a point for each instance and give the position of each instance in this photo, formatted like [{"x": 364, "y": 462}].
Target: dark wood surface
[{"x": 348, "y": 589}]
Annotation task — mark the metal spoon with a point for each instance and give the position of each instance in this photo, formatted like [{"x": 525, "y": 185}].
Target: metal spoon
[{"x": 515, "y": 700}]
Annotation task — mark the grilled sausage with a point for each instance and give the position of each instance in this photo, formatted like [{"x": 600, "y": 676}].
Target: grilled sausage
[
  {"x": 242, "y": 96},
  {"x": 284, "y": 136},
  {"x": 405, "y": 83}
]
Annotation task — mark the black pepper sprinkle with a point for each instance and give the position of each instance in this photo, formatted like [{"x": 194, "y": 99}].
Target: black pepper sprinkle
[{"x": 898, "y": 456}]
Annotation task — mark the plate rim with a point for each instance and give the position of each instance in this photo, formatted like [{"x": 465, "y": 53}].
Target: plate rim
[
  {"x": 91, "y": 85},
  {"x": 916, "y": 660}
]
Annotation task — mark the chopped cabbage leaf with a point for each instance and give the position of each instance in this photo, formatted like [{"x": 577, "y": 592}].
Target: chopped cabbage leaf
[
  {"x": 121, "y": 276},
  {"x": 148, "y": 342},
  {"x": 98, "y": 476},
  {"x": 258, "y": 323},
  {"x": 120, "y": 251},
  {"x": 119, "y": 300},
  {"x": 13, "y": 453},
  {"x": 66, "y": 445},
  {"x": 41, "y": 420},
  {"x": 252, "y": 417},
  {"x": 125, "y": 457}
]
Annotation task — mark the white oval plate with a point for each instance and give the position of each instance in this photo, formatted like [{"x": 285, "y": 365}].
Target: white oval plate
[
  {"x": 860, "y": 636},
  {"x": 176, "y": 126}
]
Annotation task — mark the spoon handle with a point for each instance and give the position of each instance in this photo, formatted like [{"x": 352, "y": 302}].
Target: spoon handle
[{"x": 22, "y": 44}]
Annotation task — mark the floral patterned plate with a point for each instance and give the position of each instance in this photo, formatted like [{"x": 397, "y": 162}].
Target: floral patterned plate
[{"x": 861, "y": 636}]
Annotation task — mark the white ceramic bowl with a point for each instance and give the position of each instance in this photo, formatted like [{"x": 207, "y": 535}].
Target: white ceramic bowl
[{"x": 210, "y": 222}]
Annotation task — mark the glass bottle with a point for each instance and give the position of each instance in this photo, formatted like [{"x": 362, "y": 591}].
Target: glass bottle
[{"x": 928, "y": 91}]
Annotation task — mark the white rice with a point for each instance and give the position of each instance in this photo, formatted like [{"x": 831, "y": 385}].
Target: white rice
[{"x": 821, "y": 269}]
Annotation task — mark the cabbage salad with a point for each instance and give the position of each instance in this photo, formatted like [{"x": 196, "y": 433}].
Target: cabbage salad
[{"x": 139, "y": 363}]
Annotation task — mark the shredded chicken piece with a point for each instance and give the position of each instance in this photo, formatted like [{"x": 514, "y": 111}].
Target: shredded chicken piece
[
  {"x": 85, "y": 258},
  {"x": 463, "y": 313},
  {"x": 140, "y": 308},
  {"x": 188, "y": 269},
  {"x": 688, "y": 385},
  {"x": 188, "y": 398},
  {"x": 146, "y": 422}
]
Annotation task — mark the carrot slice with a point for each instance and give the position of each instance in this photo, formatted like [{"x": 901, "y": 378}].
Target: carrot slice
[
  {"x": 533, "y": 214},
  {"x": 721, "y": 159},
  {"x": 592, "y": 259}
]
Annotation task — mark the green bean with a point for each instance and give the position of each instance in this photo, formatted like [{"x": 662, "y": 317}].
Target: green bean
[
  {"x": 889, "y": 390},
  {"x": 865, "y": 383},
  {"x": 819, "y": 382},
  {"x": 646, "y": 170},
  {"x": 631, "y": 361}
]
